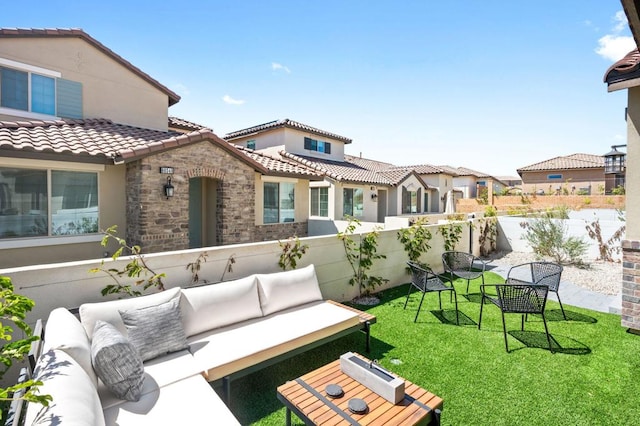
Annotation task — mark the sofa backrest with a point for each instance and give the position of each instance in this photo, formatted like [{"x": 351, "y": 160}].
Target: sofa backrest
[
  {"x": 110, "y": 311},
  {"x": 282, "y": 290},
  {"x": 216, "y": 305}
]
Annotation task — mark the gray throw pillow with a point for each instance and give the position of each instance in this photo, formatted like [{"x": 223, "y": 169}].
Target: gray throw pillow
[
  {"x": 156, "y": 330},
  {"x": 116, "y": 362}
]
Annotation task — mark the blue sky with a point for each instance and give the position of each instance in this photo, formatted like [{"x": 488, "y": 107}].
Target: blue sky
[{"x": 491, "y": 85}]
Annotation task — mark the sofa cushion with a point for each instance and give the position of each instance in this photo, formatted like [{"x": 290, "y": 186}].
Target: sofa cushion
[
  {"x": 216, "y": 305},
  {"x": 117, "y": 362},
  {"x": 75, "y": 399},
  {"x": 109, "y": 311},
  {"x": 191, "y": 401},
  {"x": 253, "y": 341},
  {"x": 156, "y": 330},
  {"x": 65, "y": 332},
  {"x": 282, "y": 290}
]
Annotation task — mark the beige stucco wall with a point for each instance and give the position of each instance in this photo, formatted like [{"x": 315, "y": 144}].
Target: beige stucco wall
[
  {"x": 109, "y": 90},
  {"x": 442, "y": 184},
  {"x": 633, "y": 165},
  {"x": 537, "y": 180},
  {"x": 301, "y": 197}
]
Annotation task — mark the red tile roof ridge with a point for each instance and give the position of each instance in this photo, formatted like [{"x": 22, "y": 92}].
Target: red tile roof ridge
[
  {"x": 79, "y": 32},
  {"x": 625, "y": 65},
  {"x": 42, "y": 123}
]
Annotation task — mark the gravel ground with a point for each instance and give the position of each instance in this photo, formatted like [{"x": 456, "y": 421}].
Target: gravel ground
[{"x": 603, "y": 277}]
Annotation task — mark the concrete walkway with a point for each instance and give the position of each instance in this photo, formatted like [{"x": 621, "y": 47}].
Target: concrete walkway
[{"x": 574, "y": 295}]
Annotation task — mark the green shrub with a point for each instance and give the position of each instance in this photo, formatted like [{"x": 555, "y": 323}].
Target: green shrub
[{"x": 548, "y": 238}]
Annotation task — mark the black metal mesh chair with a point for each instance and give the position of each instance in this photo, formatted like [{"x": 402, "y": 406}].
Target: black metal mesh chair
[
  {"x": 463, "y": 265},
  {"x": 542, "y": 273},
  {"x": 521, "y": 299},
  {"x": 425, "y": 280}
]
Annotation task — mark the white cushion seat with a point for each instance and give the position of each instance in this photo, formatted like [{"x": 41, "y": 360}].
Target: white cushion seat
[
  {"x": 230, "y": 349},
  {"x": 190, "y": 401}
]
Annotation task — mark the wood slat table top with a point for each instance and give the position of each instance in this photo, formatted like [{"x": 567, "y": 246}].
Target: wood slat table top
[
  {"x": 304, "y": 402},
  {"x": 364, "y": 316}
]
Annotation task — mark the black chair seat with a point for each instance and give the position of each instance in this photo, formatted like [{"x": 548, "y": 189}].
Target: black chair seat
[{"x": 463, "y": 265}]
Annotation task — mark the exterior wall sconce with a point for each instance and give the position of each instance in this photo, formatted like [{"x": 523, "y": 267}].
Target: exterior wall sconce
[
  {"x": 168, "y": 188},
  {"x": 374, "y": 196}
]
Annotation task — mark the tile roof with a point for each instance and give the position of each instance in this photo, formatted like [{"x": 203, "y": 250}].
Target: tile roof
[
  {"x": 424, "y": 169},
  {"x": 79, "y": 33},
  {"x": 101, "y": 140},
  {"x": 368, "y": 163},
  {"x": 574, "y": 161},
  {"x": 626, "y": 68},
  {"x": 182, "y": 124},
  {"x": 347, "y": 171},
  {"x": 283, "y": 123}
]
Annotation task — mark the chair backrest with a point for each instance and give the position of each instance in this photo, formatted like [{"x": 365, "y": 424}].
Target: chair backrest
[
  {"x": 420, "y": 274},
  {"x": 522, "y": 298},
  {"x": 457, "y": 261},
  {"x": 546, "y": 273}
]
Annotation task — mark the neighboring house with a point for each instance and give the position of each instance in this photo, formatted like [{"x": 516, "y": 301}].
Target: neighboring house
[
  {"x": 625, "y": 74},
  {"x": 471, "y": 182},
  {"x": 86, "y": 143},
  {"x": 366, "y": 189},
  {"x": 571, "y": 174}
]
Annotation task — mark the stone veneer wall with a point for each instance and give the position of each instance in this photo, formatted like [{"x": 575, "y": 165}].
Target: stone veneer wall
[
  {"x": 160, "y": 224},
  {"x": 630, "y": 316}
]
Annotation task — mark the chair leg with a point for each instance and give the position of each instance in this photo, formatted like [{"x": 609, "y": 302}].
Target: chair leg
[
  {"x": 408, "y": 294},
  {"x": 504, "y": 331},
  {"x": 419, "y": 306},
  {"x": 522, "y": 326},
  {"x": 481, "y": 306},
  {"x": 467, "y": 287},
  {"x": 561, "y": 307},
  {"x": 440, "y": 299},
  {"x": 546, "y": 330},
  {"x": 455, "y": 296}
]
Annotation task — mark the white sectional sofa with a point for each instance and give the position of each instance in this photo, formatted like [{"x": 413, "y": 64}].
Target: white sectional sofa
[{"x": 163, "y": 351}]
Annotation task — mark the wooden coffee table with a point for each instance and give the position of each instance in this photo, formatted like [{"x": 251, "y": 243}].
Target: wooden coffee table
[{"x": 307, "y": 398}]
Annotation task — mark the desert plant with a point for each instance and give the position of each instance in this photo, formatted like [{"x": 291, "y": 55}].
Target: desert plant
[
  {"x": 195, "y": 266},
  {"x": 415, "y": 239},
  {"x": 292, "y": 251},
  {"x": 361, "y": 256},
  {"x": 136, "y": 267},
  {"x": 618, "y": 190},
  {"x": 451, "y": 233},
  {"x": 548, "y": 237},
  {"x": 606, "y": 248},
  {"x": 13, "y": 311}
]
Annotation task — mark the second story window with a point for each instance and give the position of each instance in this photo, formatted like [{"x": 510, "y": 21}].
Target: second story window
[
  {"x": 251, "y": 144},
  {"x": 27, "y": 91},
  {"x": 35, "y": 92},
  {"x": 318, "y": 146}
]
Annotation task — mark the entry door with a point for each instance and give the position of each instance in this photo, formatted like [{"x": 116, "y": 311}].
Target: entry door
[{"x": 202, "y": 212}]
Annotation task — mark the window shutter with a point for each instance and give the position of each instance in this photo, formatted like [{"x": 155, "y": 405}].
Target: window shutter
[
  {"x": 68, "y": 98},
  {"x": 307, "y": 143},
  {"x": 327, "y": 148},
  {"x": 405, "y": 204},
  {"x": 418, "y": 209}
]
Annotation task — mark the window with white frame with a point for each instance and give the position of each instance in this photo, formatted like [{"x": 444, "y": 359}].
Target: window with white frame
[
  {"x": 320, "y": 201},
  {"x": 32, "y": 91},
  {"x": 353, "y": 202},
  {"x": 27, "y": 91},
  {"x": 44, "y": 202},
  {"x": 410, "y": 201},
  {"x": 279, "y": 202}
]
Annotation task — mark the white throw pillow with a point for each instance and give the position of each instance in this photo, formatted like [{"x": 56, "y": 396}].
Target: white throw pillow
[
  {"x": 110, "y": 311},
  {"x": 65, "y": 332},
  {"x": 75, "y": 398},
  {"x": 216, "y": 305},
  {"x": 282, "y": 290}
]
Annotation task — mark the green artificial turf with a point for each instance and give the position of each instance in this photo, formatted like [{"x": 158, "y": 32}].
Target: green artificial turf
[{"x": 592, "y": 378}]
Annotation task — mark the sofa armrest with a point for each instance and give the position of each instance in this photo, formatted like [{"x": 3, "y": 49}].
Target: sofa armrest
[{"x": 36, "y": 346}]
